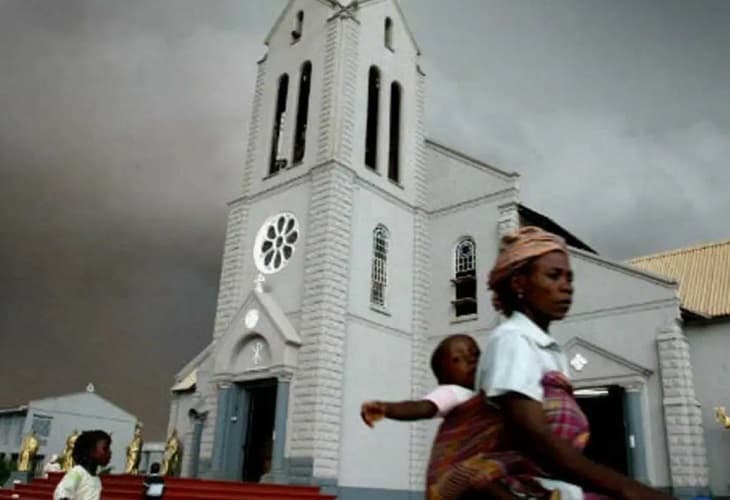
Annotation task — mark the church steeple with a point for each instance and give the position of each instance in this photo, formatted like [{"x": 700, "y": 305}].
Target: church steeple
[{"x": 339, "y": 83}]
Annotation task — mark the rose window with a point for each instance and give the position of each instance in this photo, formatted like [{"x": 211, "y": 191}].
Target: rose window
[{"x": 275, "y": 243}]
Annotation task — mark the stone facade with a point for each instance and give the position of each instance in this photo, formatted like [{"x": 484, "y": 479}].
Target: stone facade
[{"x": 683, "y": 419}]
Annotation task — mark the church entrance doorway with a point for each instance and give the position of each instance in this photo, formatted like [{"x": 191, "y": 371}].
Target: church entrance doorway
[
  {"x": 258, "y": 429},
  {"x": 608, "y": 444}
]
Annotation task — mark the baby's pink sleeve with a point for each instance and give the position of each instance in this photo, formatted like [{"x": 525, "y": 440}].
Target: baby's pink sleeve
[{"x": 444, "y": 398}]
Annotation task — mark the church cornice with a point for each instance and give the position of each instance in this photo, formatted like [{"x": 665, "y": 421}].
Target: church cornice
[
  {"x": 622, "y": 310},
  {"x": 624, "y": 268},
  {"x": 509, "y": 194},
  {"x": 471, "y": 161}
]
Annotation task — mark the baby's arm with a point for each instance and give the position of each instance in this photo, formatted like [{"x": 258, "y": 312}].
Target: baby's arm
[{"x": 372, "y": 411}]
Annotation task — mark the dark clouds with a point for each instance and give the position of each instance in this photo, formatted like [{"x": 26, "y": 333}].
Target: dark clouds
[
  {"x": 617, "y": 114},
  {"x": 122, "y": 134},
  {"x": 122, "y": 137}
]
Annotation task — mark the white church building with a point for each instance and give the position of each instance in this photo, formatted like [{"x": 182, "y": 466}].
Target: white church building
[{"x": 356, "y": 244}]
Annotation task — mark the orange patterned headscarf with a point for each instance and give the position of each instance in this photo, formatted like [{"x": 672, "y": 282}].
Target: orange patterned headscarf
[{"x": 520, "y": 247}]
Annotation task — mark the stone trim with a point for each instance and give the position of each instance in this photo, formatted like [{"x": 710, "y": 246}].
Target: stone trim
[
  {"x": 682, "y": 417},
  {"x": 325, "y": 146},
  {"x": 421, "y": 292},
  {"x": 508, "y": 193},
  {"x": 317, "y": 386},
  {"x": 229, "y": 291},
  {"x": 509, "y": 218}
]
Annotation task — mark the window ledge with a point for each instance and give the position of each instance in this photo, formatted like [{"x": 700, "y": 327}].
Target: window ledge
[
  {"x": 395, "y": 183},
  {"x": 464, "y": 319},
  {"x": 380, "y": 309},
  {"x": 281, "y": 171}
]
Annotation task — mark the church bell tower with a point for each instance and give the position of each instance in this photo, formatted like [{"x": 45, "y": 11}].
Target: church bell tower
[{"x": 334, "y": 167}]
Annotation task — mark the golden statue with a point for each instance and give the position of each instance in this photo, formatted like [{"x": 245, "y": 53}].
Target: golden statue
[
  {"x": 67, "y": 459},
  {"x": 27, "y": 453},
  {"x": 721, "y": 417},
  {"x": 171, "y": 459},
  {"x": 134, "y": 451}
]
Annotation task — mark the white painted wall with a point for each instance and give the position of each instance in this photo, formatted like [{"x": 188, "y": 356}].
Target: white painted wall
[
  {"x": 83, "y": 411},
  {"x": 479, "y": 222},
  {"x": 377, "y": 367},
  {"x": 371, "y": 209},
  {"x": 709, "y": 348},
  {"x": 447, "y": 170},
  {"x": 288, "y": 284}
]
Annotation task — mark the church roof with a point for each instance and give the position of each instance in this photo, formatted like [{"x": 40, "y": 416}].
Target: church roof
[
  {"x": 20, "y": 409},
  {"x": 703, "y": 273},
  {"x": 187, "y": 383},
  {"x": 531, "y": 217}
]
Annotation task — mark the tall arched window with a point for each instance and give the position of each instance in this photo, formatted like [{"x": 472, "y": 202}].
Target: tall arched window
[
  {"x": 296, "y": 33},
  {"x": 300, "y": 132},
  {"x": 379, "y": 271},
  {"x": 389, "y": 33},
  {"x": 465, "y": 277},
  {"x": 395, "y": 119},
  {"x": 371, "y": 132},
  {"x": 277, "y": 160}
]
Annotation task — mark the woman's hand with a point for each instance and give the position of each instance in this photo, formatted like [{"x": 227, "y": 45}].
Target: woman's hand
[
  {"x": 372, "y": 411},
  {"x": 526, "y": 422},
  {"x": 637, "y": 491}
]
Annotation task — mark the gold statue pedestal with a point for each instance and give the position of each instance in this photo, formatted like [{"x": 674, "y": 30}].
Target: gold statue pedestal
[{"x": 18, "y": 477}]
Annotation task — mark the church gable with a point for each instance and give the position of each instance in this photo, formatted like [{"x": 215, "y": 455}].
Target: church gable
[
  {"x": 590, "y": 363},
  {"x": 456, "y": 178},
  {"x": 259, "y": 340},
  {"x": 298, "y": 19},
  {"x": 395, "y": 20},
  {"x": 620, "y": 285},
  {"x": 91, "y": 403}
]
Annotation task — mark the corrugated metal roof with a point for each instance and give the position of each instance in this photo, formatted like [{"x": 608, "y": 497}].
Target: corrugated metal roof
[{"x": 703, "y": 273}]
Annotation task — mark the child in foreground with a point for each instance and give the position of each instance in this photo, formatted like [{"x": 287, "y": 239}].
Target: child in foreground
[
  {"x": 90, "y": 452},
  {"x": 454, "y": 364}
]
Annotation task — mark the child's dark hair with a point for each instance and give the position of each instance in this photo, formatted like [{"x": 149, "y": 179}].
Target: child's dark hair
[
  {"x": 437, "y": 365},
  {"x": 85, "y": 445},
  {"x": 155, "y": 468}
]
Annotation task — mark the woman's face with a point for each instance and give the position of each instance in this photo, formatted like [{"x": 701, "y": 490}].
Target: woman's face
[{"x": 547, "y": 290}]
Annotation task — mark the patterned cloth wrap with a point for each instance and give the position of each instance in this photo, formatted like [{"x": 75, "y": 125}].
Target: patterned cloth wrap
[{"x": 472, "y": 449}]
